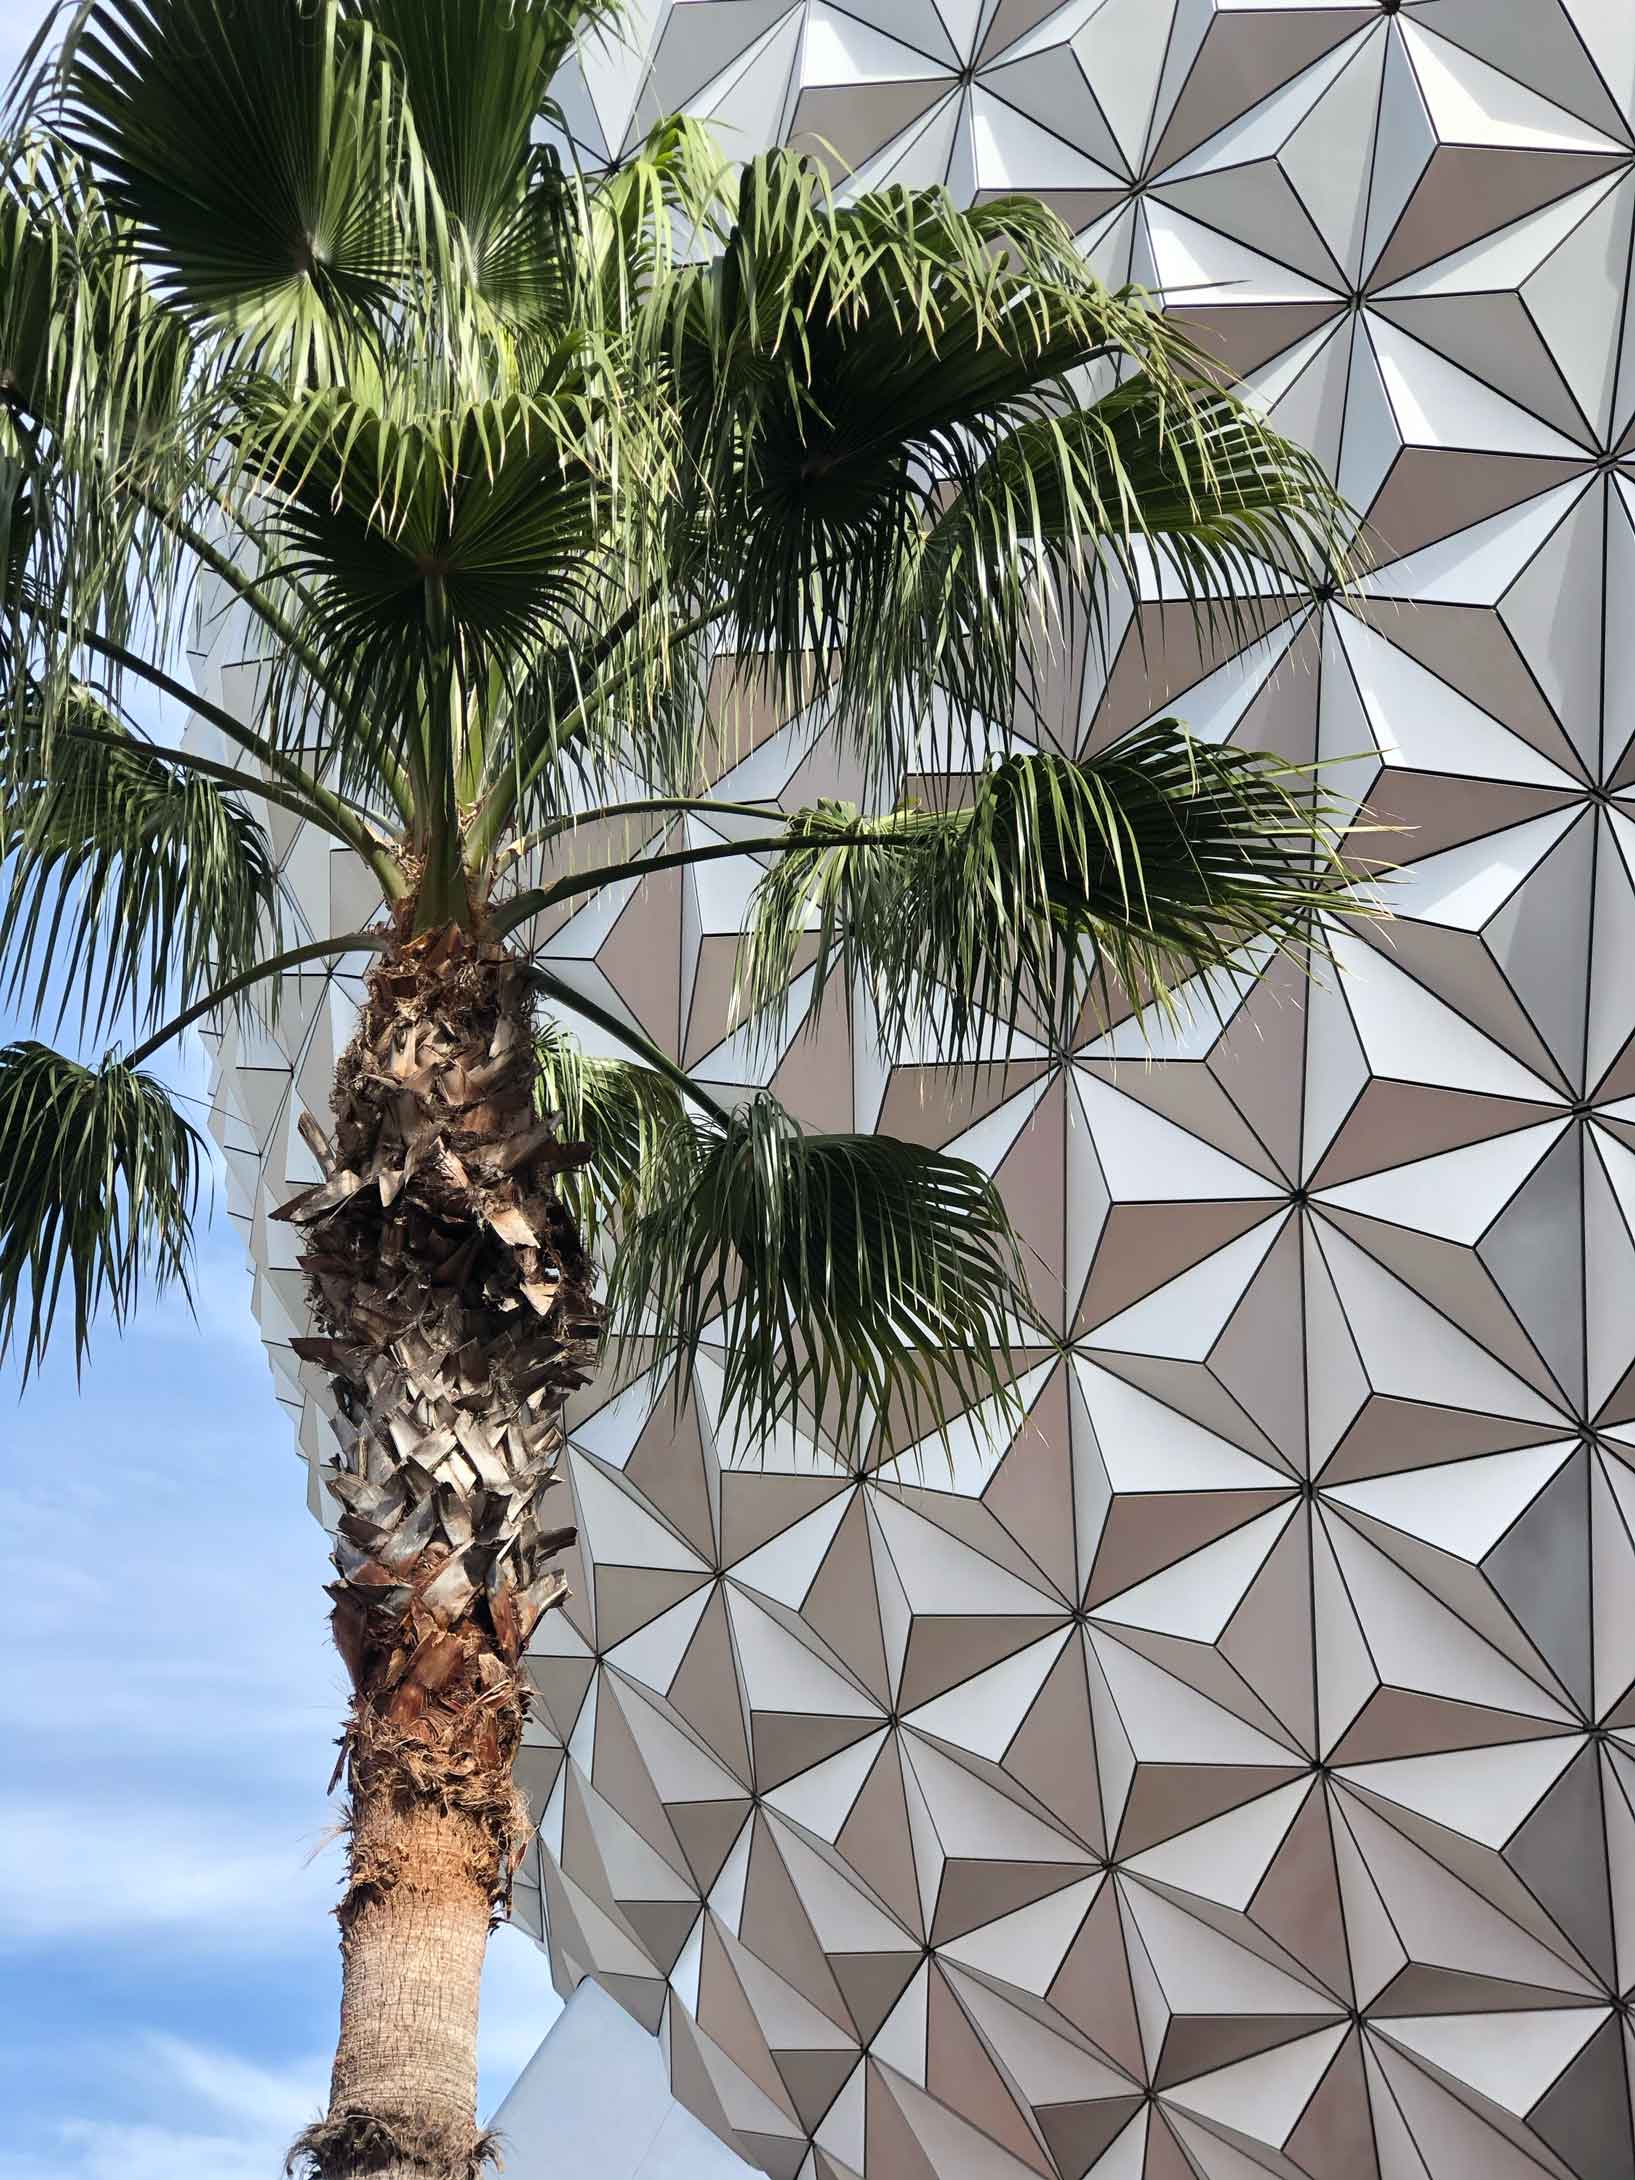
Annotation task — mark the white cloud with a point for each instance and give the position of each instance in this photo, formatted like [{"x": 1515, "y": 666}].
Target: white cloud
[
  {"x": 232, "y": 2121},
  {"x": 106, "y": 2150},
  {"x": 202, "y": 1878},
  {"x": 275, "y": 2101}
]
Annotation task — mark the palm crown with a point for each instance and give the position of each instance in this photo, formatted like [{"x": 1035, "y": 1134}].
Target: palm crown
[{"x": 496, "y": 457}]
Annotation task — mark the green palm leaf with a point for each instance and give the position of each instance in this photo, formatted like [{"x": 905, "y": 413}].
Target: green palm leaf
[
  {"x": 631, "y": 1117},
  {"x": 97, "y": 376},
  {"x": 264, "y": 160},
  {"x": 122, "y": 876},
  {"x": 844, "y": 373},
  {"x": 1220, "y": 505},
  {"x": 853, "y": 1275},
  {"x": 1151, "y": 864},
  {"x": 99, "y": 1176},
  {"x": 477, "y": 77}
]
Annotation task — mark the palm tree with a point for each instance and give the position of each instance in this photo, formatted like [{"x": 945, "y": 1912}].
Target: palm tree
[{"x": 497, "y": 461}]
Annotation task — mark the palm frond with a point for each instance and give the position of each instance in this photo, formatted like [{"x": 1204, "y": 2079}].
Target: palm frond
[
  {"x": 438, "y": 549},
  {"x": 1216, "y": 506},
  {"x": 856, "y": 1276},
  {"x": 477, "y": 78},
  {"x": 843, "y": 372},
  {"x": 97, "y": 377},
  {"x": 631, "y": 1117},
  {"x": 264, "y": 162},
  {"x": 1056, "y": 885},
  {"x": 125, "y": 881},
  {"x": 99, "y": 1177}
]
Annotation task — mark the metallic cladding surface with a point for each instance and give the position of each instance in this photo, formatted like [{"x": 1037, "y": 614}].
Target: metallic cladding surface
[{"x": 1235, "y": 1774}]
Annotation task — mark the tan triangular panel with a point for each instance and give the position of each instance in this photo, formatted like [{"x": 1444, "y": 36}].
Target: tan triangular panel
[
  {"x": 705, "y": 1690},
  {"x": 811, "y": 2080},
  {"x": 1199, "y": 2043},
  {"x": 1144, "y": 1246},
  {"x": 845, "y": 126},
  {"x": 841, "y": 1606},
  {"x": 1053, "y": 1754},
  {"x": 726, "y": 2016},
  {"x": 1404, "y": 1722},
  {"x": 1391, "y": 1435},
  {"x": 1237, "y": 66},
  {"x": 1145, "y": 1531},
  {"x": 875, "y": 1837},
  {"x": 789, "y": 1742},
  {"x": 872, "y": 1984},
  {"x": 945, "y": 1649},
  {"x": 1171, "y": 1798},
  {"x": 892, "y": 2145},
  {"x": 1298, "y": 1901},
  {"x": 1092, "y": 1987},
  {"x": 1031, "y": 1491},
  {"x": 961, "y": 2071},
  {"x": 974, "y": 1893},
  {"x": 706, "y": 1831},
  {"x": 1334, "y": 2136},
  {"x": 933, "y": 1105},
  {"x": 668, "y": 1467},
  {"x": 628, "y": 1597},
  {"x": 775, "y": 1927},
  {"x": 1467, "y": 191}
]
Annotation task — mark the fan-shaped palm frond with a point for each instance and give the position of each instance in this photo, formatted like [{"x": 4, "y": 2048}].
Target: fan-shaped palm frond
[
  {"x": 1222, "y": 512},
  {"x": 849, "y": 1274},
  {"x": 97, "y": 1191},
  {"x": 903, "y": 462},
  {"x": 264, "y": 161},
  {"x": 477, "y": 78},
  {"x": 1139, "y": 869},
  {"x": 472, "y": 534},
  {"x": 123, "y": 876}
]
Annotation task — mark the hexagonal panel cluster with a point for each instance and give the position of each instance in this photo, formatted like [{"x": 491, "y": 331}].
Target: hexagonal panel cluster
[{"x": 1235, "y": 1773}]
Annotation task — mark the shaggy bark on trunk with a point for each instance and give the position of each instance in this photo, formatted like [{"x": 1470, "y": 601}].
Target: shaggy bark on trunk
[{"x": 452, "y": 1295}]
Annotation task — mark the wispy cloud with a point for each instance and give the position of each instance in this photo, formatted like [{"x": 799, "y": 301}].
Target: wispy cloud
[
  {"x": 232, "y": 2120},
  {"x": 199, "y": 1877},
  {"x": 90, "y": 2149},
  {"x": 168, "y": 1710}
]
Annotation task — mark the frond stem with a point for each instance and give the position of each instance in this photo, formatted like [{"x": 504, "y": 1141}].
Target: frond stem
[
  {"x": 506, "y": 792},
  {"x": 523, "y": 905},
  {"x": 347, "y": 942},
  {"x": 323, "y": 802},
  {"x": 527, "y": 842},
  {"x": 287, "y": 798},
  {"x": 632, "y": 1040}
]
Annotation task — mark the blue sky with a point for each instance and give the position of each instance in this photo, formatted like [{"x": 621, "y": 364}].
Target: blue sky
[
  {"x": 168, "y": 1706},
  {"x": 168, "y": 1709}
]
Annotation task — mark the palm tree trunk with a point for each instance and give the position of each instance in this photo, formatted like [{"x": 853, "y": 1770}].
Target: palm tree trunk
[{"x": 453, "y": 1296}]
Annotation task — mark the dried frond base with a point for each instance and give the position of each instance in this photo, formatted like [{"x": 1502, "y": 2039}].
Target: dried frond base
[
  {"x": 393, "y": 1769},
  {"x": 363, "y": 2146}
]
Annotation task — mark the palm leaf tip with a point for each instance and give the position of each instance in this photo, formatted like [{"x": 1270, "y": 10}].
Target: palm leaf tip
[
  {"x": 859, "y": 1278},
  {"x": 1145, "y": 867},
  {"x": 630, "y": 1118},
  {"x": 99, "y": 1178},
  {"x": 128, "y": 877}
]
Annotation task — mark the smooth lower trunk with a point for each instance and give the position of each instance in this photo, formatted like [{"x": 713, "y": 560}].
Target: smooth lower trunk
[{"x": 414, "y": 1929}]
